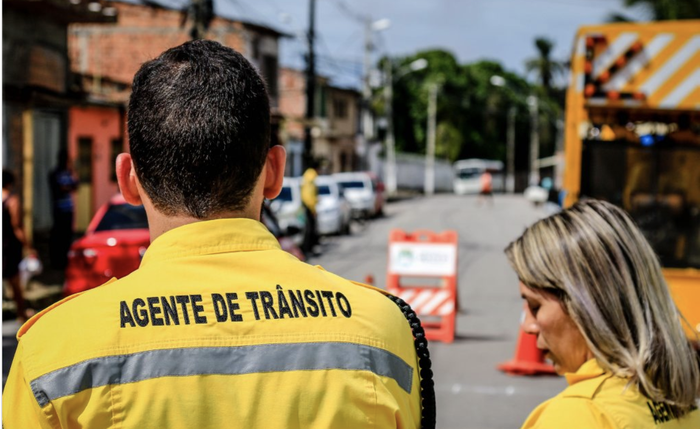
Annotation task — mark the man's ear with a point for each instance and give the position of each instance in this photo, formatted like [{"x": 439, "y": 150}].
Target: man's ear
[
  {"x": 128, "y": 182},
  {"x": 274, "y": 171}
]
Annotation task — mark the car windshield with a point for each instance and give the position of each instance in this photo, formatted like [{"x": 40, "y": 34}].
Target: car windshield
[
  {"x": 123, "y": 216},
  {"x": 285, "y": 194},
  {"x": 468, "y": 173},
  {"x": 353, "y": 184},
  {"x": 324, "y": 190}
]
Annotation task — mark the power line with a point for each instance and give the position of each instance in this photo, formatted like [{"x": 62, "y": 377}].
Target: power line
[{"x": 347, "y": 10}]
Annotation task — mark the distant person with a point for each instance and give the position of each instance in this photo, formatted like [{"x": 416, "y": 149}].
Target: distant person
[
  {"x": 553, "y": 203},
  {"x": 602, "y": 312},
  {"x": 14, "y": 242},
  {"x": 218, "y": 327},
  {"x": 62, "y": 183},
  {"x": 486, "y": 186},
  {"x": 309, "y": 198}
]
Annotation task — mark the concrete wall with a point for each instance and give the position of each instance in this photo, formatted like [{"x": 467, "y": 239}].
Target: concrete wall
[{"x": 410, "y": 170}]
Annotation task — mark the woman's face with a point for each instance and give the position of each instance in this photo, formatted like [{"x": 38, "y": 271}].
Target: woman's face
[{"x": 557, "y": 334}]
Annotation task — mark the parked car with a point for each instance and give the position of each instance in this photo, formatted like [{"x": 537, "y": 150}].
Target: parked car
[
  {"x": 117, "y": 238},
  {"x": 333, "y": 212},
  {"x": 364, "y": 192},
  {"x": 113, "y": 245},
  {"x": 290, "y": 210},
  {"x": 268, "y": 218}
]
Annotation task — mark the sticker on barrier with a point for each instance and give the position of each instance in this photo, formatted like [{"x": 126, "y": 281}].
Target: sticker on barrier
[{"x": 432, "y": 258}]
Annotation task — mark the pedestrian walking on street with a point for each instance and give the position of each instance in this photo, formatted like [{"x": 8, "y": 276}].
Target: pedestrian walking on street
[
  {"x": 14, "y": 242},
  {"x": 63, "y": 183},
  {"x": 219, "y": 327},
  {"x": 486, "y": 187},
  {"x": 602, "y": 312}
]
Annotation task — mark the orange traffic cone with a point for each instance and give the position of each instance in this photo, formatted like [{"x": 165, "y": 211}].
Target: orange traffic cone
[
  {"x": 369, "y": 280},
  {"x": 528, "y": 360}
]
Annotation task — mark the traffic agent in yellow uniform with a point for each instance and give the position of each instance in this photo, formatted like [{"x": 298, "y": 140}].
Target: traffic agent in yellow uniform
[
  {"x": 600, "y": 400},
  {"x": 218, "y": 327}
]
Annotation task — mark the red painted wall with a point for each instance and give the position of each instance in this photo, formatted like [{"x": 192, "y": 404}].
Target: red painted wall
[{"x": 102, "y": 124}]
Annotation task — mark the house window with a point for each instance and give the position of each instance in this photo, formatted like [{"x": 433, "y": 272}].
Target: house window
[
  {"x": 340, "y": 108},
  {"x": 85, "y": 160},
  {"x": 321, "y": 102}
]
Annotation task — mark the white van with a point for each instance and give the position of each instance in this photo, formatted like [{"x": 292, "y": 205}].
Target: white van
[{"x": 467, "y": 175}]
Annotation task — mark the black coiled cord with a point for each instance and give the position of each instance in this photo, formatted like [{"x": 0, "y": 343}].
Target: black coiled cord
[{"x": 427, "y": 385}]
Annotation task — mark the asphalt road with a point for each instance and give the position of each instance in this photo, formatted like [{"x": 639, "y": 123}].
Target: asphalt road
[{"x": 471, "y": 393}]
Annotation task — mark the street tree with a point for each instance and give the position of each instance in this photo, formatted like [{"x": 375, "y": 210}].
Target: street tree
[
  {"x": 660, "y": 10},
  {"x": 543, "y": 65}
]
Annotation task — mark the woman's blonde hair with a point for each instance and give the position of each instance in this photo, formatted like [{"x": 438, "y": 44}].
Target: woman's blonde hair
[{"x": 609, "y": 281}]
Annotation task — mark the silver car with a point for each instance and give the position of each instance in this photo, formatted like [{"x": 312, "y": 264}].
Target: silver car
[
  {"x": 333, "y": 212},
  {"x": 290, "y": 210}
]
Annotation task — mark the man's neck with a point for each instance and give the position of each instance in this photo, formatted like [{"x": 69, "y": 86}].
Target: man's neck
[{"x": 159, "y": 224}]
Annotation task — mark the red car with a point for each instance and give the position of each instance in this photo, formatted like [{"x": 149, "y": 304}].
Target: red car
[{"x": 116, "y": 240}]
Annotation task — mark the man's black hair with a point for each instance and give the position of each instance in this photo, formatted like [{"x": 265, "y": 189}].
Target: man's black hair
[
  {"x": 8, "y": 178},
  {"x": 199, "y": 129}
]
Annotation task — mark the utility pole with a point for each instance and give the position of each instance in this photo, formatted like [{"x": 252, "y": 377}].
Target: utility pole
[
  {"x": 510, "y": 150},
  {"x": 534, "y": 178},
  {"x": 202, "y": 13},
  {"x": 310, "y": 88},
  {"x": 429, "y": 183},
  {"x": 390, "y": 178},
  {"x": 367, "y": 131}
]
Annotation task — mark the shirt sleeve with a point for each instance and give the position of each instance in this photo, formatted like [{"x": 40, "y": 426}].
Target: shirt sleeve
[
  {"x": 569, "y": 413},
  {"x": 19, "y": 407}
]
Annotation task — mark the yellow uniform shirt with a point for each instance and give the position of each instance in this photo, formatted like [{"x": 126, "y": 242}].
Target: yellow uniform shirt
[
  {"x": 598, "y": 400},
  {"x": 309, "y": 191},
  {"x": 217, "y": 328}
]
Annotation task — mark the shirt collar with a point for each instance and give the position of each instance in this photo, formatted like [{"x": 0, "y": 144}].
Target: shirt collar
[
  {"x": 590, "y": 369},
  {"x": 209, "y": 237}
]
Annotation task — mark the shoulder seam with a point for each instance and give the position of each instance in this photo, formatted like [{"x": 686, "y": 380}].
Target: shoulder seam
[{"x": 25, "y": 328}]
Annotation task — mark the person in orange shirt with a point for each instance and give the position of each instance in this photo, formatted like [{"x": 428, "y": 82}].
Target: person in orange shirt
[{"x": 486, "y": 187}]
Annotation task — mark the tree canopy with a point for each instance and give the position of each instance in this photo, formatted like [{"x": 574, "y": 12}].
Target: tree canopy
[
  {"x": 661, "y": 10},
  {"x": 471, "y": 110}
]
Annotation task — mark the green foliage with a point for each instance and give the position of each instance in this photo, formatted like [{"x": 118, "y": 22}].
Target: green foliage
[
  {"x": 471, "y": 111},
  {"x": 660, "y": 10},
  {"x": 545, "y": 67}
]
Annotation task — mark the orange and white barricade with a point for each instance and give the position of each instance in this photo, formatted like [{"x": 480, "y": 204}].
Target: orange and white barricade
[{"x": 431, "y": 258}]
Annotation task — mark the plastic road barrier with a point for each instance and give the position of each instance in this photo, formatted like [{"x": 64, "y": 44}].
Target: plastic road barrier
[{"x": 430, "y": 257}]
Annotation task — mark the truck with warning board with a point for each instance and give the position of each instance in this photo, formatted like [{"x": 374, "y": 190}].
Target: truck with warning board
[{"x": 632, "y": 138}]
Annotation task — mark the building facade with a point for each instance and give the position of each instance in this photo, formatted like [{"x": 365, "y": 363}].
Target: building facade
[
  {"x": 334, "y": 127},
  {"x": 38, "y": 92},
  {"x": 106, "y": 59}
]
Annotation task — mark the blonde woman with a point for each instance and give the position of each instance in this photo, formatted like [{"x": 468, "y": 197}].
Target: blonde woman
[{"x": 602, "y": 312}]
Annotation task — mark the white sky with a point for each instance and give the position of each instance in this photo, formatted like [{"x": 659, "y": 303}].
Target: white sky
[{"x": 502, "y": 30}]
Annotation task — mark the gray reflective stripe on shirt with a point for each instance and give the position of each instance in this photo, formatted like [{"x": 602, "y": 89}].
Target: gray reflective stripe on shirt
[{"x": 121, "y": 369}]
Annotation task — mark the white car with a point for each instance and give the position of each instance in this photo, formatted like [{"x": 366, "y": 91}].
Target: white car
[
  {"x": 362, "y": 193},
  {"x": 333, "y": 211},
  {"x": 536, "y": 194},
  {"x": 290, "y": 211}
]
